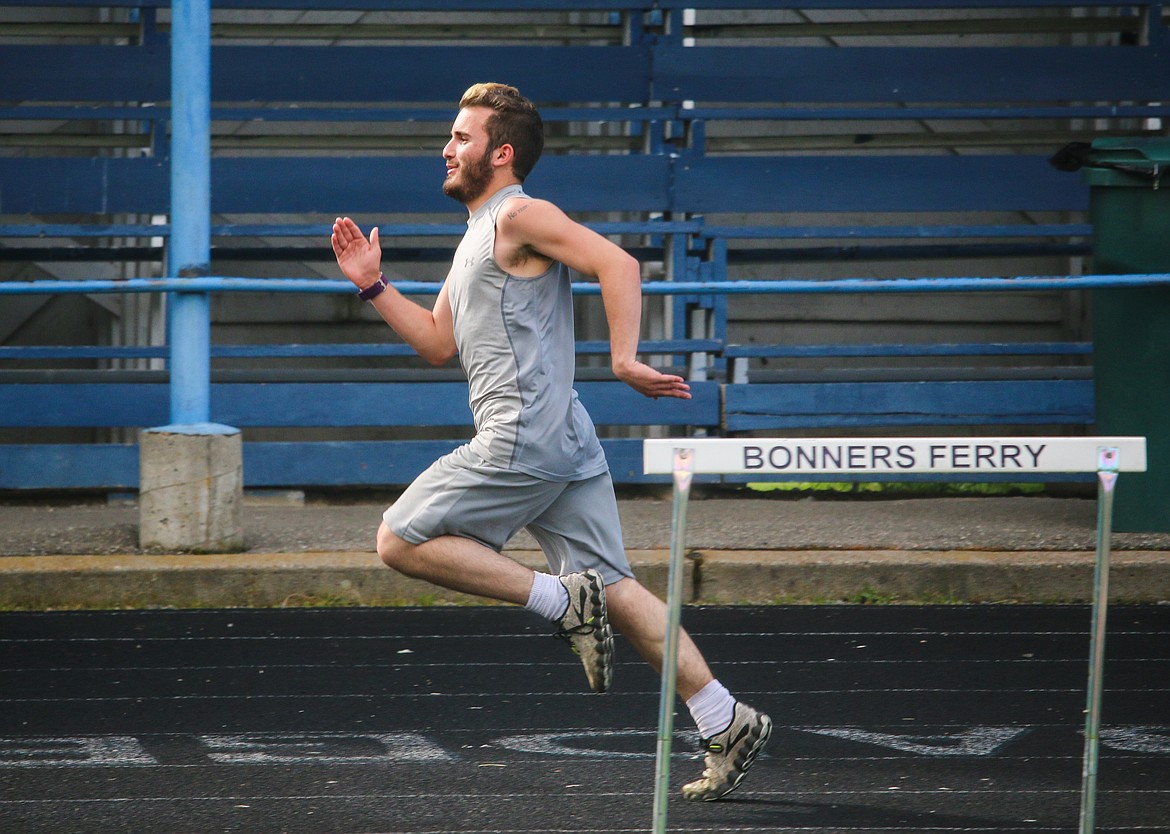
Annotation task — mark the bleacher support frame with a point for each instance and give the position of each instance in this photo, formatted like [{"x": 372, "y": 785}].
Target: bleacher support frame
[{"x": 668, "y": 76}]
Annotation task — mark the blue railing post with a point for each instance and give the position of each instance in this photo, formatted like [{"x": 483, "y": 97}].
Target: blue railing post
[
  {"x": 190, "y": 246},
  {"x": 190, "y": 483}
]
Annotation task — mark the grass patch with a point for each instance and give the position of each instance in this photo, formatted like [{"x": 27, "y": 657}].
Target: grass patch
[
  {"x": 870, "y": 596},
  {"x": 871, "y": 489}
]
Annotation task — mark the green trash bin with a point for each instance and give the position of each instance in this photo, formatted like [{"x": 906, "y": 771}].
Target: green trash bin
[{"x": 1130, "y": 212}]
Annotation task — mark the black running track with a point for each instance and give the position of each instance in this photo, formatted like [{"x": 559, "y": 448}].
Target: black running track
[{"x": 888, "y": 719}]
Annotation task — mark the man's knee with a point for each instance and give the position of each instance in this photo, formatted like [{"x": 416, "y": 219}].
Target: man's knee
[
  {"x": 628, "y": 594},
  {"x": 392, "y": 549}
]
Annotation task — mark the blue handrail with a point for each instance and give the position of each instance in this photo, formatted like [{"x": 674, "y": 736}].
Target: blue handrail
[{"x": 763, "y": 287}]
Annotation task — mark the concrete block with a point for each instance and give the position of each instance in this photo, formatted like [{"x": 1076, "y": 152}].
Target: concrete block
[{"x": 191, "y": 484}]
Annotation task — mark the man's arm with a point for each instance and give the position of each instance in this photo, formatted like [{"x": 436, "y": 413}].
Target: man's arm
[
  {"x": 544, "y": 228},
  {"x": 429, "y": 332}
]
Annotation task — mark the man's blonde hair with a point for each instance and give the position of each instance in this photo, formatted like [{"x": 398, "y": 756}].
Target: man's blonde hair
[{"x": 515, "y": 121}]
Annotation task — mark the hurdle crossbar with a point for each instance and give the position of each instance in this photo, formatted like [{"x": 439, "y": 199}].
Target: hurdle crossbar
[{"x": 886, "y": 459}]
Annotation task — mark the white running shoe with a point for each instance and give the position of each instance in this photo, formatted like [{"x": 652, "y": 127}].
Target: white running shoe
[
  {"x": 730, "y": 754},
  {"x": 586, "y": 627}
]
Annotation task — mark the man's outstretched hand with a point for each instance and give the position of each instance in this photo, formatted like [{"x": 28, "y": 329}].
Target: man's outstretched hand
[
  {"x": 652, "y": 383},
  {"x": 359, "y": 258}
]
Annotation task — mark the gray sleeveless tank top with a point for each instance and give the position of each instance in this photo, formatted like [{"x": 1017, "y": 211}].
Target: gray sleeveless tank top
[{"x": 516, "y": 344}]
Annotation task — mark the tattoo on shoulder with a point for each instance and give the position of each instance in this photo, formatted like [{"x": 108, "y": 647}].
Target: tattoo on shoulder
[{"x": 514, "y": 213}]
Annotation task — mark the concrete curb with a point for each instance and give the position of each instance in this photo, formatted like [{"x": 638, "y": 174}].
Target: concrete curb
[
  {"x": 712, "y": 577},
  {"x": 245, "y": 580},
  {"x": 728, "y": 577}
]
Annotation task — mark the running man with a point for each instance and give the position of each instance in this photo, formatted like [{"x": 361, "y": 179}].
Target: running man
[{"x": 535, "y": 461}]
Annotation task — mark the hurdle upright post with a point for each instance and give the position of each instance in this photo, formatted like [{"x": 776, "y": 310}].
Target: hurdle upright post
[
  {"x": 1107, "y": 468},
  {"x": 683, "y": 467}
]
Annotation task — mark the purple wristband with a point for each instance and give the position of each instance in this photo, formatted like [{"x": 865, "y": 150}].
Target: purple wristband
[{"x": 373, "y": 290}]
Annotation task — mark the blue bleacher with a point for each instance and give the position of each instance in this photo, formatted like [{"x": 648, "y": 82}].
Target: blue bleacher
[{"x": 669, "y": 85}]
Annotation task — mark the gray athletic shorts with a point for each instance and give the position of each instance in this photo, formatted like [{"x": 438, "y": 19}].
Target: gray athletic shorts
[{"x": 575, "y": 523}]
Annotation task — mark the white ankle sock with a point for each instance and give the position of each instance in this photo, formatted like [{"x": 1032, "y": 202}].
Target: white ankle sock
[
  {"x": 548, "y": 596},
  {"x": 712, "y": 707}
]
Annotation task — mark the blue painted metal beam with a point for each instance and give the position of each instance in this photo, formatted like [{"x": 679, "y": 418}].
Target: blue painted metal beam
[
  {"x": 900, "y": 114},
  {"x": 661, "y": 74},
  {"x": 424, "y": 74},
  {"x": 291, "y": 404},
  {"x": 786, "y": 287},
  {"x": 635, "y": 182},
  {"x": 912, "y": 74},
  {"x": 353, "y": 185},
  {"x": 592, "y": 5},
  {"x": 327, "y": 349},
  {"x": 771, "y": 406},
  {"x": 913, "y": 350},
  {"x": 308, "y": 113},
  {"x": 189, "y": 310},
  {"x": 321, "y": 230},
  {"x": 929, "y": 232},
  {"x": 320, "y": 463},
  {"x": 875, "y": 184}
]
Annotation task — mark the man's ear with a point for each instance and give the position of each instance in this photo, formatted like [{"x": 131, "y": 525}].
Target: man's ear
[{"x": 503, "y": 155}]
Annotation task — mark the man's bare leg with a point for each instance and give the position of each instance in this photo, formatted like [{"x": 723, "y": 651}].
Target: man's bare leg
[
  {"x": 458, "y": 564},
  {"x": 469, "y": 567},
  {"x": 641, "y": 617},
  {"x": 729, "y": 750}
]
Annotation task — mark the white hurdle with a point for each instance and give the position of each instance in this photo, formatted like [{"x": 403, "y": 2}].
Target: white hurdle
[{"x": 877, "y": 458}]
